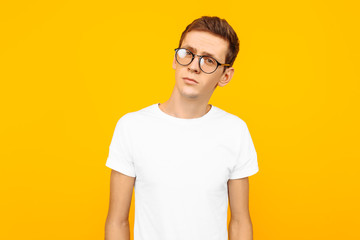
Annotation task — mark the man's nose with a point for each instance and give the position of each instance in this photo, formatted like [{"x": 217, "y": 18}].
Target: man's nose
[{"x": 194, "y": 65}]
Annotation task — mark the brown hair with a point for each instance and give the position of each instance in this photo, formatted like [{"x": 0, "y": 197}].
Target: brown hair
[{"x": 219, "y": 27}]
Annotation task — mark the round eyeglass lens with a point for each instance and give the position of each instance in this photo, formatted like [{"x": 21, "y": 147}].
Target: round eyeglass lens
[
  {"x": 208, "y": 64},
  {"x": 183, "y": 56}
]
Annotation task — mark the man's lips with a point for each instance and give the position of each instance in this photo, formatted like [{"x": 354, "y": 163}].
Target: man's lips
[{"x": 185, "y": 78}]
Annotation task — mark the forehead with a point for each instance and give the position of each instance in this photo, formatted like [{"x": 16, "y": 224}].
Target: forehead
[{"x": 206, "y": 43}]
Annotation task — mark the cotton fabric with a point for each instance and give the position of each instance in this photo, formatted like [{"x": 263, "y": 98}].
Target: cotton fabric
[{"x": 181, "y": 169}]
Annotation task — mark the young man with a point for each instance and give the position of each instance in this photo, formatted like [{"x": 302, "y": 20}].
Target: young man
[{"x": 185, "y": 158}]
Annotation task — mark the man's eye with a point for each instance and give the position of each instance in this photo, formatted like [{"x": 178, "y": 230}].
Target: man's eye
[
  {"x": 182, "y": 53},
  {"x": 210, "y": 61}
]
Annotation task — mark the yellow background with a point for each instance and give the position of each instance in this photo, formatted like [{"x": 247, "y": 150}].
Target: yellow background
[{"x": 70, "y": 69}]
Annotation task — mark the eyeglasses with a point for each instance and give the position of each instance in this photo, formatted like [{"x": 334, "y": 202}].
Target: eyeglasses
[{"x": 207, "y": 64}]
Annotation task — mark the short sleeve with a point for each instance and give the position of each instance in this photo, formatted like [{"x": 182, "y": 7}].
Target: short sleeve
[
  {"x": 246, "y": 163},
  {"x": 120, "y": 157}
]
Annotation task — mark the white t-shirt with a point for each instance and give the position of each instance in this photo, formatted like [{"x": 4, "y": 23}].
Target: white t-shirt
[{"x": 181, "y": 167}]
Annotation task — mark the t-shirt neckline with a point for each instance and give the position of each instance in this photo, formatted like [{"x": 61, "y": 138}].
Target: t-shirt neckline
[{"x": 207, "y": 115}]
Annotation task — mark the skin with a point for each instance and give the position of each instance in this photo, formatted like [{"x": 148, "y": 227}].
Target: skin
[
  {"x": 187, "y": 101},
  {"x": 240, "y": 226},
  {"x": 117, "y": 225}
]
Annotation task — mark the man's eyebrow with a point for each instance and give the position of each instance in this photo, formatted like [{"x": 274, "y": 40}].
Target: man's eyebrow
[{"x": 194, "y": 50}]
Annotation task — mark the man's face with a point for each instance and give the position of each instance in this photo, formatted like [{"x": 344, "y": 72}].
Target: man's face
[{"x": 202, "y": 43}]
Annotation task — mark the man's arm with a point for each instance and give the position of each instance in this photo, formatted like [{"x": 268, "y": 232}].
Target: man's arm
[
  {"x": 117, "y": 221},
  {"x": 240, "y": 226}
]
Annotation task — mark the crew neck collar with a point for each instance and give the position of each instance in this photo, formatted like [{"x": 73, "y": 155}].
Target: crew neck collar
[{"x": 207, "y": 115}]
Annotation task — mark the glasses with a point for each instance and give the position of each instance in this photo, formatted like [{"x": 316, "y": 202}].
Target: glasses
[{"x": 207, "y": 64}]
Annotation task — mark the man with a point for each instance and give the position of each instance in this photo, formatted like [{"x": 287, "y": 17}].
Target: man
[{"x": 185, "y": 158}]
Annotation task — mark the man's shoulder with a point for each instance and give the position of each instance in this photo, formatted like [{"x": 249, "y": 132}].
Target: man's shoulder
[
  {"x": 231, "y": 118},
  {"x": 137, "y": 116}
]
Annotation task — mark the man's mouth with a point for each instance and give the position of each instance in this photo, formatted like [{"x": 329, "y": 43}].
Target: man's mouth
[{"x": 190, "y": 79}]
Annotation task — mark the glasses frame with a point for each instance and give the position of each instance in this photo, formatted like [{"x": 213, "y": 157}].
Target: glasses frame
[{"x": 200, "y": 57}]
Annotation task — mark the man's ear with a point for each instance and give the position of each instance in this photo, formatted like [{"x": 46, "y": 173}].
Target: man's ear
[
  {"x": 226, "y": 77},
  {"x": 174, "y": 64}
]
